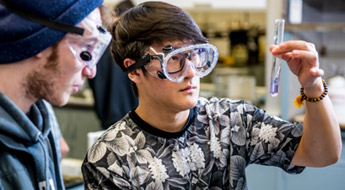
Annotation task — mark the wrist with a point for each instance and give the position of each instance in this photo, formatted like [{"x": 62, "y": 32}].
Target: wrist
[
  {"x": 311, "y": 97},
  {"x": 315, "y": 94},
  {"x": 315, "y": 90}
]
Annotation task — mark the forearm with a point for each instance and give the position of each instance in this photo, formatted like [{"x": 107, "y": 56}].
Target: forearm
[{"x": 321, "y": 141}]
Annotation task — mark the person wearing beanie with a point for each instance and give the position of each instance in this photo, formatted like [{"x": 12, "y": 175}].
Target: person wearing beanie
[
  {"x": 175, "y": 139},
  {"x": 47, "y": 48}
]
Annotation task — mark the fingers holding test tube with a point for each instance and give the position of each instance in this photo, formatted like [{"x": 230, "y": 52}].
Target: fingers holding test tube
[{"x": 302, "y": 59}]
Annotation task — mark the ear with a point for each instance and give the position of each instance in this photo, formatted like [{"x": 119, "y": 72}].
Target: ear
[
  {"x": 39, "y": 55},
  {"x": 128, "y": 62},
  {"x": 39, "y": 58},
  {"x": 43, "y": 53},
  {"x": 133, "y": 75}
]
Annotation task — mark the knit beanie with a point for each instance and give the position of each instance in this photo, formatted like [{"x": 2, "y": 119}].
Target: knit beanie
[{"x": 21, "y": 38}]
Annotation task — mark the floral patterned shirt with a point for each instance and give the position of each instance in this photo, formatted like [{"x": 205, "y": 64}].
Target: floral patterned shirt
[{"x": 220, "y": 139}]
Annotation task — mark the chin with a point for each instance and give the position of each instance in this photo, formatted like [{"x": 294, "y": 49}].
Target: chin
[
  {"x": 192, "y": 102},
  {"x": 62, "y": 101},
  {"x": 59, "y": 104}
]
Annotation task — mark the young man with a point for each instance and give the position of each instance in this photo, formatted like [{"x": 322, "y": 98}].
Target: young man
[
  {"x": 176, "y": 140},
  {"x": 46, "y": 50}
]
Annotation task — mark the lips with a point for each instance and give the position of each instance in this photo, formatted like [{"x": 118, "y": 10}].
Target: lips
[
  {"x": 188, "y": 88},
  {"x": 76, "y": 88}
]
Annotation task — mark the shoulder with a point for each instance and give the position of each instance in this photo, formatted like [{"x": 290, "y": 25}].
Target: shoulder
[{"x": 115, "y": 138}]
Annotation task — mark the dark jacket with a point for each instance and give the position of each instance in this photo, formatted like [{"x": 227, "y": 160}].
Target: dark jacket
[
  {"x": 112, "y": 91},
  {"x": 28, "y": 154}
]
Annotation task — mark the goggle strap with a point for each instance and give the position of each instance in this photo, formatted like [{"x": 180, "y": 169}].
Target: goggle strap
[
  {"x": 42, "y": 21},
  {"x": 139, "y": 63}
]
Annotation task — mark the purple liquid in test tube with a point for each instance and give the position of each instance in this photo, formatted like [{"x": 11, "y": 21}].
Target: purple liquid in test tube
[{"x": 276, "y": 63}]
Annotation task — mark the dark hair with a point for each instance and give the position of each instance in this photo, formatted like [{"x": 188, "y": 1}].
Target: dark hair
[
  {"x": 122, "y": 7},
  {"x": 151, "y": 23}
]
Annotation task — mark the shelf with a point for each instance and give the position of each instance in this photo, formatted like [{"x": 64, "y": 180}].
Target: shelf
[
  {"x": 316, "y": 27},
  {"x": 332, "y": 6},
  {"x": 316, "y": 11}
]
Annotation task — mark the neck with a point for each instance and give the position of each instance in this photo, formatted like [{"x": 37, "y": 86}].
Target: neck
[
  {"x": 12, "y": 85},
  {"x": 163, "y": 119}
]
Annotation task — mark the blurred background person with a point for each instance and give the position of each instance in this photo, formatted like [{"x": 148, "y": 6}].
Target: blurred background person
[{"x": 111, "y": 87}]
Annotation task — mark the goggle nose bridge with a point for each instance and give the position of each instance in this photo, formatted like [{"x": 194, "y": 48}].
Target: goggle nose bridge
[{"x": 167, "y": 49}]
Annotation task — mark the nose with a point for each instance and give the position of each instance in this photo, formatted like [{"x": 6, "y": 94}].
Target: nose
[
  {"x": 89, "y": 72},
  {"x": 191, "y": 71}
]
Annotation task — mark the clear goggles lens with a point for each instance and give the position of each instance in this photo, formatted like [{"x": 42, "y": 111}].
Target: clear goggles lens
[
  {"x": 202, "y": 58},
  {"x": 90, "y": 47}
]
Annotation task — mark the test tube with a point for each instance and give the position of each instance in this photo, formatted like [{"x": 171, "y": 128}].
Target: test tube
[{"x": 276, "y": 62}]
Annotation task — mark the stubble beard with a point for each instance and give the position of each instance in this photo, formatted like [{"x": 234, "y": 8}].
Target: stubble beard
[{"x": 39, "y": 84}]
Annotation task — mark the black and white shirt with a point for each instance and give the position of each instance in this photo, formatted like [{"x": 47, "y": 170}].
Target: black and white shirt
[{"x": 219, "y": 140}]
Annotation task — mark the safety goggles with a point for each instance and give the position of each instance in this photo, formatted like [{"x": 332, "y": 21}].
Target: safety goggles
[
  {"x": 174, "y": 64},
  {"x": 87, "y": 41},
  {"x": 89, "y": 47}
]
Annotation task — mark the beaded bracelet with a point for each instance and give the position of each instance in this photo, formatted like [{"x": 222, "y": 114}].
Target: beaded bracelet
[{"x": 299, "y": 100}]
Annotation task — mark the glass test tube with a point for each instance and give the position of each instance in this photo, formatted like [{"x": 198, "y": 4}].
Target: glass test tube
[{"x": 276, "y": 62}]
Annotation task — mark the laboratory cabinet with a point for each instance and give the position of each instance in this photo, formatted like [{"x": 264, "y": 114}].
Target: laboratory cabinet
[{"x": 273, "y": 178}]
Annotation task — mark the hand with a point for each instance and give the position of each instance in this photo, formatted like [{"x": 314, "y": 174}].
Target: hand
[
  {"x": 302, "y": 59},
  {"x": 64, "y": 147}
]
